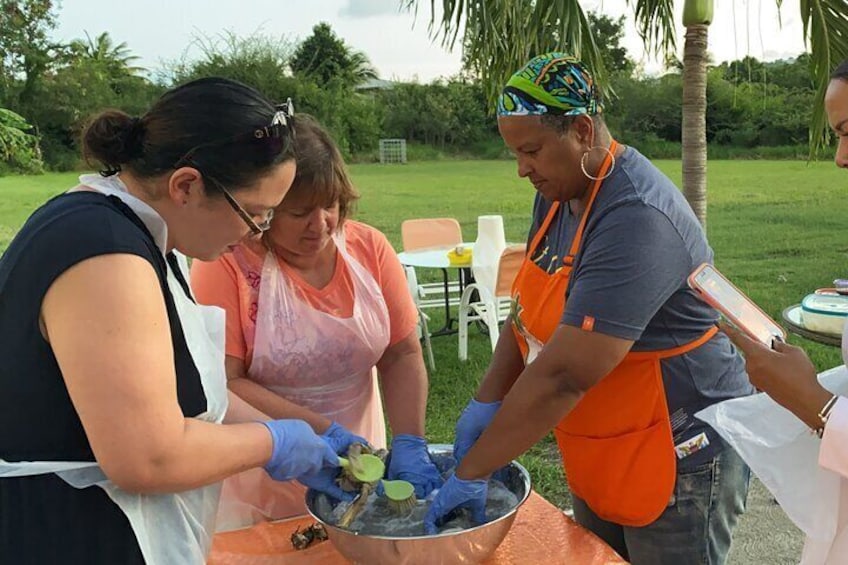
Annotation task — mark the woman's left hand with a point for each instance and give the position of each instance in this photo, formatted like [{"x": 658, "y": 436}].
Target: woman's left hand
[
  {"x": 457, "y": 493},
  {"x": 410, "y": 461},
  {"x": 785, "y": 373}
]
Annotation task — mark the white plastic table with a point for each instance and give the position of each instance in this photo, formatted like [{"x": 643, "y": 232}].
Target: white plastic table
[{"x": 437, "y": 258}]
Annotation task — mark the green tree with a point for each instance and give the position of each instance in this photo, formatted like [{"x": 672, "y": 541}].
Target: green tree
[
  {"x": 263, "y": 62},
  {"x": 792, "y": 73},
  {"x": 324, "y": 57},
  {"x": 451, "y": 113},
  {"x": 259, "y": 60},
  {"x": 26, "y": 51},
  {"x": 19, "y": 149},
  {"x": 500, "y": 35},
  {"x": 608, "y": 33},
  {"x": 788, "y": 73},
  {"x": 647, "y": 108},
  {"x": 70, "y": 94}
]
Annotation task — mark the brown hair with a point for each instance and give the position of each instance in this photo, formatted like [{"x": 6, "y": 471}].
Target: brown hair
[
  {"x": 321, "y": 170},
  {"x": 211, "y": 118}
]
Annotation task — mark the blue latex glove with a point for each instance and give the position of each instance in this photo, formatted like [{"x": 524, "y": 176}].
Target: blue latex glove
[
  {"x": 411, "y": 462},
  {"x": 474, "y": 419},
  {"x": 297, "y": 450},
  {"x": 325, "y": 481},
  {"x": 457, "y": 493},
  {"x": 340, "y": 438}
]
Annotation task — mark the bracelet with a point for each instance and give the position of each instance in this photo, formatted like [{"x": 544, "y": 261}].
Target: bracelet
[{"x": 824, "y": 415}]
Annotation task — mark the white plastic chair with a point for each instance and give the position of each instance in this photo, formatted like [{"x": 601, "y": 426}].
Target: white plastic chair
[
  {"x": 423, "y": 319},
  {"x": 492, "y": 304},
  {"x": 424, "y": 233}
]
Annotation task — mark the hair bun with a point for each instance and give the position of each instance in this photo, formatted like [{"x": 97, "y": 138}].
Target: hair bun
[
  {"x": 134, "y": 141},
  {"x": 113, "y": 138}
]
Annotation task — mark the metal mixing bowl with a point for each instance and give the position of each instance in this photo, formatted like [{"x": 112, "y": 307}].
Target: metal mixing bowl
[{"x": 473, "y": 545}]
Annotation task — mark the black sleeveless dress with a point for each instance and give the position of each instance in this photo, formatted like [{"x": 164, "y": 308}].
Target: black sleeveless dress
[{"x": 42, "y": 518}]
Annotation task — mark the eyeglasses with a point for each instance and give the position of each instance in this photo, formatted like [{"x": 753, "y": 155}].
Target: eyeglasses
[
  {"x": 255, "y": 228},
  {"x": 272, "y": 140}
]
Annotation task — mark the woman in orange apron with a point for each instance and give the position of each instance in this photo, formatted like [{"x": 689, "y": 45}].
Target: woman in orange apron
[{"x": 609, "y": 348}]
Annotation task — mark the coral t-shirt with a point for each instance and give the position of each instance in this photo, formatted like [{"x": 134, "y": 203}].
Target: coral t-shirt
[{"x": 235, "y": 287}]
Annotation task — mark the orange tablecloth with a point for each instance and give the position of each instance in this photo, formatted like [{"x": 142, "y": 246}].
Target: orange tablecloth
[{"x": 541, "y": 533}]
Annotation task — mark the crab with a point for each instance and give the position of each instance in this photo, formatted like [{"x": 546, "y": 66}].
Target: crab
[{"x": 301, "y": 539}]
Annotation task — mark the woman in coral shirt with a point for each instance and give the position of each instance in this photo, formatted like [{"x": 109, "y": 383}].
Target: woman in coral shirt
[{"x": 313, "y": 307}]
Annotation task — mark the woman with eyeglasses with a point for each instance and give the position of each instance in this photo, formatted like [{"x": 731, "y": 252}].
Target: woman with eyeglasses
[
  {"x": 312, "y": 308},
  {"x": 112, "y": 383}
]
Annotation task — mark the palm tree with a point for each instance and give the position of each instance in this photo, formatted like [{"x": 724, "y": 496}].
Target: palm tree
[
  {"x": 360, "y": 67},
  {"x": 325, "y": 57},
  {"x": 697, "y": 16},
  {"x": 116, "y": 60},
  {"x": 501, "y": 35}
]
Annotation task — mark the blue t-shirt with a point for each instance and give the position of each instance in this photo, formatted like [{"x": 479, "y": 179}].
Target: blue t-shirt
[{"x": 640, "y": 243}]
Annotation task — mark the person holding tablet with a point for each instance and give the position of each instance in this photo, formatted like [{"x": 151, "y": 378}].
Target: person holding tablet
[{"x": 786, "y": 374}]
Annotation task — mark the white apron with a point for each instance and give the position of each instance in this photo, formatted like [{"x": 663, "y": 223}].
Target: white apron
[
  {"x": 784, "y": 455},
  {"x": 315, "y": 360},
  {"x": 170, "y": 528},
  {"x": 824, "y": 549}
]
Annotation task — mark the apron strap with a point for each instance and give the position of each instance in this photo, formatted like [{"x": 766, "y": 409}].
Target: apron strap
[
  {"x": 540, "y": 233},
  {"x": 178, "y": 274},
  {"x": 679, "y": 350},
  {"x": 596, "y": 185}
]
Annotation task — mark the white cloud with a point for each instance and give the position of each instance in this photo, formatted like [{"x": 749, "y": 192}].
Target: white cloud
[{"x": 368, "y": 8}]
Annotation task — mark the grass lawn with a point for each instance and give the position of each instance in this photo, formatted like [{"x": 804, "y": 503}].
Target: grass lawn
[{"x": 775, "y": 227}]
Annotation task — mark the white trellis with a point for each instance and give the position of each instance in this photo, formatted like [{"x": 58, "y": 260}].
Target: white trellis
[{"x": 393, "y": 151}]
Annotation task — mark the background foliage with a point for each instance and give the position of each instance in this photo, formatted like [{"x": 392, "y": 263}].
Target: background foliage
[{"x": 756, "y": 109}]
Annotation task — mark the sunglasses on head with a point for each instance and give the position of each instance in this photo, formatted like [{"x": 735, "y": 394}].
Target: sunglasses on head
[
  {"x": 269, "y": 141},
  {"x": 273, "y": 139}
]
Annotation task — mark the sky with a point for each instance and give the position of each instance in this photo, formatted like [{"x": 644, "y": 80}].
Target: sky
[{"x": 397, "y": 42}]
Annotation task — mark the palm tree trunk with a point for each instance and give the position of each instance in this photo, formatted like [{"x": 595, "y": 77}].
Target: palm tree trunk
[{"x": 694, "y": 120}]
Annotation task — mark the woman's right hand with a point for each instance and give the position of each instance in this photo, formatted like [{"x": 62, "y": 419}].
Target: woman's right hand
[
  {"x": 340, "y": 438},
  {"x": 297, "y": 450},
  {"x": 474, "y": 420}
]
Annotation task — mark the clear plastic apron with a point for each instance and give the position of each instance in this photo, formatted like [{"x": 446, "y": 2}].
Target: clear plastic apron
[
  {"x": 170, "y": 528},
  {"x": 315, "y": 360},
  {"x": 784, "y": 455}
]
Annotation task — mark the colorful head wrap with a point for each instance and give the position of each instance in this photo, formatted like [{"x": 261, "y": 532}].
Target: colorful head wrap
[{"x": 553, "y": 83}]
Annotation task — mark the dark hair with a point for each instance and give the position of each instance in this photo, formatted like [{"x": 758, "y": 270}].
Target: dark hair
[
  {"x": 841, "y": 72},
  {"x": 214, "y": 118},
  {"x": 321, "y": 171},
  {"x": 560, "y": 123}
]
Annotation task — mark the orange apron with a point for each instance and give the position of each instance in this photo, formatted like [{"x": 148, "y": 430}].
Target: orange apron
[{"x": 616, "y": 444}]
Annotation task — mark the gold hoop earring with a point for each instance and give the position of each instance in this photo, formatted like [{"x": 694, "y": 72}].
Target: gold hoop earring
[{"x": 586, "y": 154}]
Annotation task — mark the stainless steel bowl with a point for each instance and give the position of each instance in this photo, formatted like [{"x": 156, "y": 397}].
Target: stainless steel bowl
[{"x": 473, "y": 545}]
